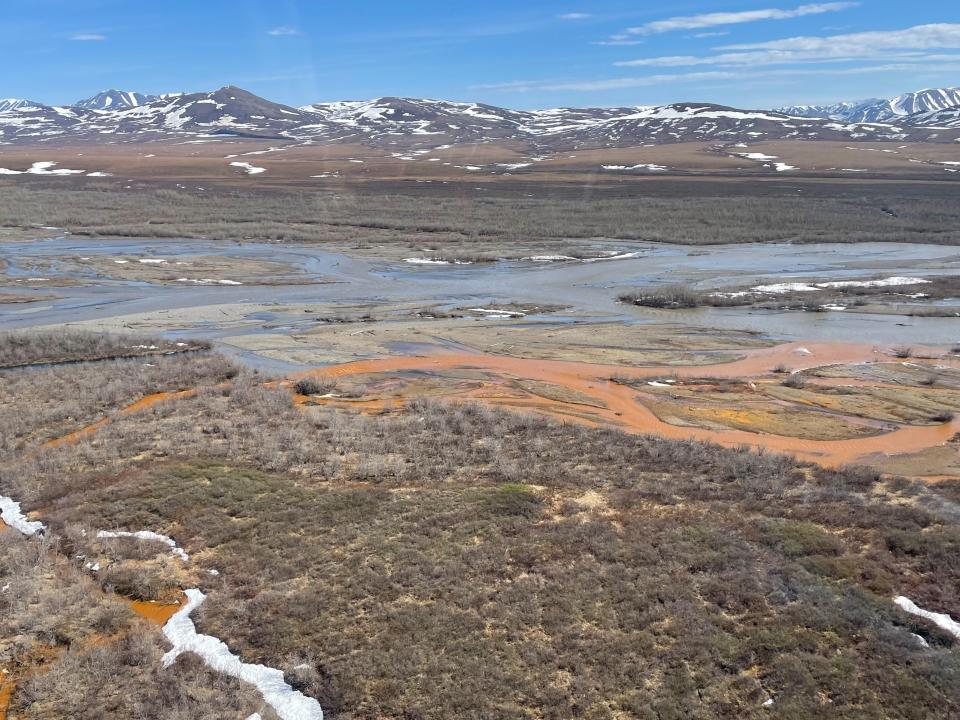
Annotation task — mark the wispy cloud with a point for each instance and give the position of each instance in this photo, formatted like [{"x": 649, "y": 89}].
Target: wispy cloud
[
  {"x": 706, "y": 20},
  {"x": 718, "y": 33},
  {"x": 910, "y": 43},
  {"x": 575, "y": 16},
  {"x": 621, "y": 39},
  {"x": 283, "y": 31},
  {"x": 937, "y": 35},
  {"x": 88, "y": 37},
  {"x": 738, "y": 74}
]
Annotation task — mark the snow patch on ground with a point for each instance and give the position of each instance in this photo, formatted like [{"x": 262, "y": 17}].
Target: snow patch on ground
[
  {"x": 941, "y": 620},
  {"x": 785, "y": 287},
  {"x": 11, "y": 514},
  {"x": 643, "y": 166},
  {"x": 248, "y": 168},
  {"x": 494, "y": 313},
  {"x": 425, "y": 261},
  {"x": 289, "y": 704},
  {"x": 208, "y": 281},
  {"x": 148, "y": 536},
  {"x": 41, "y": 168},
  {"x": 621, "y": 256},
  {"x": 885, "y": 282}
]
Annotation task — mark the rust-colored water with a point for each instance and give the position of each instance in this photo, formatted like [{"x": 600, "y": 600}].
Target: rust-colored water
[
  {"x": 6, "y": 692},
  {"x": 141, "y": 404},
  {"x": 622, "y": 407},
  {"x": 156, "y": 612}
]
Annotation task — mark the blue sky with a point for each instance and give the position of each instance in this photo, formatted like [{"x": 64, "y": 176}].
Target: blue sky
[{"x": 526, "y": 54}]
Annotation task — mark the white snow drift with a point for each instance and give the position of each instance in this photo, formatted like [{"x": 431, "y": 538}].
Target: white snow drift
[
  {"x": 941, "y": 620},
  {"x": 149, "y": 536},
  {"x": 12, "y": 515},
  {"x": 248, "y": 168},
  {"x": 288, "y": 703},
  {"x": 779, "y": 288},
  {"x": 41, "y": 168}
]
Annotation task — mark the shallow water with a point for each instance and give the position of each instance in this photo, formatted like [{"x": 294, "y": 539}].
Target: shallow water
[
  {"x": 622, "y": 406},
  {"x": 589, "y": 287}
]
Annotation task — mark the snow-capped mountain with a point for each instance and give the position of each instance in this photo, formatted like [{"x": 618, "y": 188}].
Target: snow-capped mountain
[
  {"x": 16, "y": 103},
  {"x": 946, "y": 118},
  {"x": 114, "y": 100},
  {"x": 835, "y": 111},
  {"x": 899, "y": 108},
  {"x": 410, "y": 116},
  {"x": 411, "y": 122}
]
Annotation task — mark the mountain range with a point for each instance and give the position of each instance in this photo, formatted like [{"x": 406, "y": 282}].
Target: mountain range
[
  {"x": 116, "y": 116},
  {"x": 917, "y": 108}
]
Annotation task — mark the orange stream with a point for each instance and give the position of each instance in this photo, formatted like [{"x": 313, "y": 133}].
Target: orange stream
[
  {"x": 141, "y": 404},
  {"x": 624, "y": 410},
  {"x": 156, "y": 612},
  {"x": 6, "y": 692}
]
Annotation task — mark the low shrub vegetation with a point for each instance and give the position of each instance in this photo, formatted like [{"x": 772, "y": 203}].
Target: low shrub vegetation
[{"x": 453, "y": 561}]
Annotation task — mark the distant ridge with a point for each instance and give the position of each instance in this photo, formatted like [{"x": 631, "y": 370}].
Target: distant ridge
[
  {"x": 115, "y": 100},
  {"x": 913, "y": 108},
  {"x": 115, "y": 116}
]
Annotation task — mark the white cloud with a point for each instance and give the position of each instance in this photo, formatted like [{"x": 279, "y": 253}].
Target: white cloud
[
  {"x": 598, "y": 85},
  {"x": 693, "y": 22},
  {"x": 575, "y": 16},
  {"x": 922, "y": 37},
  {"x": 283, "y": 31},
  {"x": 711, "y": 34},
  {"x": 88, "y": 37},
  {"x": 910, "y": 44}
]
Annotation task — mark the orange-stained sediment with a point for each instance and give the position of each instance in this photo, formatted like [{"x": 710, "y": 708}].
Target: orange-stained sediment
[{"x": 623, "y": 408}]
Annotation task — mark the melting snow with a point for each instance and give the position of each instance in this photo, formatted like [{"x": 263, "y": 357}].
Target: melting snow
[
  {"x": 11, "y": 514},
  {"x": 209, "y": 281},
  {"x": 812, "y": 287},
  {"x": 289, "y": 704},
  {"x": 41, "y": 168},
  {"x": 643, "y": 166},
  {"x": 621, "y": 256},
  {"x": 147, "y": 535},
  {"x": 248, "y": 168},
  {"x": 491, "y": 312},
  {"x": 425, "y": 261},
  {"x": 886, "y": 282},
  {"x": 757, "y": 156},
  {"x": 785, "y": 287},
  {"x": 941, "y": 620}
]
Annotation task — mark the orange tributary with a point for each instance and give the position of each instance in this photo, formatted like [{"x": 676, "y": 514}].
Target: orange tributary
[{"x": 623, "y": 409}]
